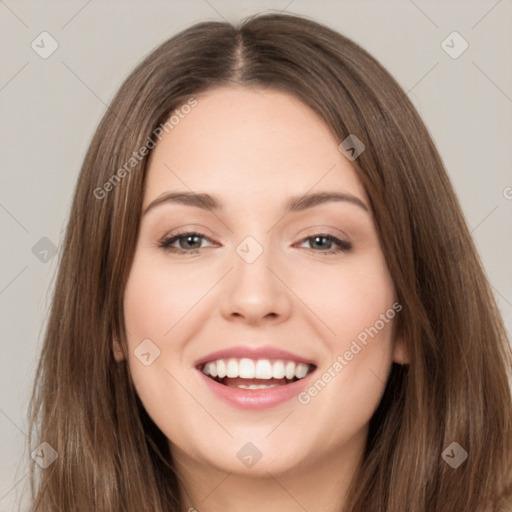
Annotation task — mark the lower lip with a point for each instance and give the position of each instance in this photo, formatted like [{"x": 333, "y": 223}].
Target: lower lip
[{"x": 256, "y": 399}]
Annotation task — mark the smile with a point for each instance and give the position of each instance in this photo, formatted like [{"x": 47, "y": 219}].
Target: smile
[
  {"x": 254, "y": 378},
  {"x": 246, "y": 373}
]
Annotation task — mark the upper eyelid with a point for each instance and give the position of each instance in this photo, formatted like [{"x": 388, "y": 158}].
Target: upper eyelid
[
  {"x": 202, "y": 235},
  {"x": 320, "y": 229}
]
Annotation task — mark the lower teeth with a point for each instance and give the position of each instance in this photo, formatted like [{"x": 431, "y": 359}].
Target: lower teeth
[
  {"x": 255, "y": 386},
  {"x": 225, "y": 382}
]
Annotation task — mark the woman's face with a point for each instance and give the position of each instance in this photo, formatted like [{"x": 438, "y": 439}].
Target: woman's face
[{"x": 259, "y": 290}]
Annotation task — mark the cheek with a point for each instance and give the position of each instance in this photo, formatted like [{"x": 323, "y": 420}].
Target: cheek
[
  {"x": 157, "y": 297},
  {"x": 161, "y": 304},
  {"x": 156, "y": 303},
  {"x": 349, "y": 298},
  {"x": 354, "y": 305}
]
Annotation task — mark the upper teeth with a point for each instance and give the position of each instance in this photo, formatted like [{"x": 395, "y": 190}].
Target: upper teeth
[{"x": 255, "y": 369}]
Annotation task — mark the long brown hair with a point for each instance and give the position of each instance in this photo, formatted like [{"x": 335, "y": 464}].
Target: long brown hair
[{"x": 111, "y": 456}]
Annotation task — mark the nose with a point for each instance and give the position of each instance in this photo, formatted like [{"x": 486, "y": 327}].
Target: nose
[{"x": 256, "y": 291}]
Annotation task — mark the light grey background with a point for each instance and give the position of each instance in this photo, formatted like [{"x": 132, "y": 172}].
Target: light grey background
[{"x": 50, "y": 108}]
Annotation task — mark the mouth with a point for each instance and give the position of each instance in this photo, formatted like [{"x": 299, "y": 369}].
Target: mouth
[{"x": 255, "y": 374}]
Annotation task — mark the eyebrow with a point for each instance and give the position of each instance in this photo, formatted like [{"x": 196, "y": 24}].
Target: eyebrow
[{"x": 294, "y": 204}]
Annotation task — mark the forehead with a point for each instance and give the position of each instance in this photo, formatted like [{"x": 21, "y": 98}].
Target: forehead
[{"x": 249, "y": 145}]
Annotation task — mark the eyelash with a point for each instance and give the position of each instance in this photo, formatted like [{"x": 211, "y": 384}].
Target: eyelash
[{"x": 166, "y": 243}]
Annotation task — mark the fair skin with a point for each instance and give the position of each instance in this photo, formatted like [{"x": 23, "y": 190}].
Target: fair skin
[{"x": 253, "y": 149}]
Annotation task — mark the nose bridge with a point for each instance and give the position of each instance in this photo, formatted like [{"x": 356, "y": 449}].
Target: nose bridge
[
  {"x": 253, "y": 259},
  {"x": 255, "y": 291}
]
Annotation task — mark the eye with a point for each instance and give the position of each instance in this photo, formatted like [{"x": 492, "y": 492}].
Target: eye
[
  {"x": 187, "y": 241},
  {"x": 326, "y": 240}
]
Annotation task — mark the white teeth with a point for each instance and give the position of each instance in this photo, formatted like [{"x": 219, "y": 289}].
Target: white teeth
[
  {"x": 301, "y": 371},
  {"x": 221, "y": 368},
  {"x": 290, "y": 370},
  {"x": 212, "y": 369},
  {"x": 255, "y": 386},
  {"x": 278, "y": 370},
  {"x": 246, "y": 368},
  {"x": 232, "y": 368},
  {"x": 263, "y": 369}
]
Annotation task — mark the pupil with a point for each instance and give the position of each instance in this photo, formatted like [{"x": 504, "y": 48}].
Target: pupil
[
  {"x": 321, "y": 238},
  {"x": 191, "y": 237}
]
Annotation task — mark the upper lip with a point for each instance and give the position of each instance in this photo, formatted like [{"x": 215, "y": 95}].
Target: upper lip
[{"x": 264, "y": 352}]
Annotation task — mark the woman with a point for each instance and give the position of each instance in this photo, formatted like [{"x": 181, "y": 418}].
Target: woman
[{"x": 262, "y": 369}]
